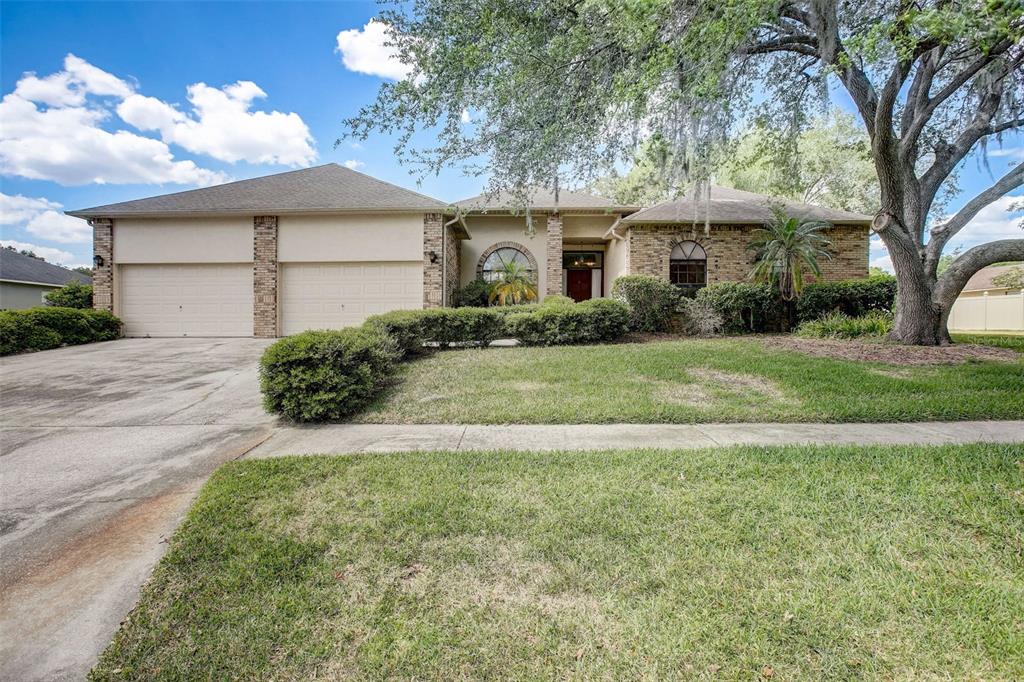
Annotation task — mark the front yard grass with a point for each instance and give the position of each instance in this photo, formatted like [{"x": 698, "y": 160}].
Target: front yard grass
[
  {"x": 1013, "y": 340},
  {"x": 793, "y": 563},
  {"x": 689, "y": 381}
]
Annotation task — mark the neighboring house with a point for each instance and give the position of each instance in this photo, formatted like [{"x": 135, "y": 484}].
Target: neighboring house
[
  {"x": 325, "y": 247},
  {"x": 984, "y": 305},
  {"x": 25, "y": 280}
]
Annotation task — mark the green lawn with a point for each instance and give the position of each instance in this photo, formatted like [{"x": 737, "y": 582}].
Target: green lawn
[
  {"x": 837, "y": 563},
  {"x": 720, "y": 380},
  {"x": 1014, "y": 340}
]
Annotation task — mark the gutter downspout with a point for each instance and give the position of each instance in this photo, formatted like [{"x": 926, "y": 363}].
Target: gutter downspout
[
  {"x": 444, "y": 255},
  {"x": 611, "y": 231}
]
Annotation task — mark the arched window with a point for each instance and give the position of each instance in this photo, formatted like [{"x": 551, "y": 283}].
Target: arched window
[
  {"x": 688, "y": 265},
  {"x": 496, "y": 261}
]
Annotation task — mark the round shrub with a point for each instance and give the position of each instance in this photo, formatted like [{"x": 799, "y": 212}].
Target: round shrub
[
  {"x": 473, "y": 295},
  {"x": 326, "y": 375},
  {"x": 404, "y": 326},
  {"x": 555, "y": 300},
  {"x": 743, "y": 307},
  {"x": 593, "y": 321},
  {"x": 651, "y": 301},
  {"x": 699, "y": 318},
  {"x": 71, "y": 295}
]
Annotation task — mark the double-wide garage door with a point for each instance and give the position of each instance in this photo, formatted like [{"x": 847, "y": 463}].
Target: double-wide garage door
[
  {"x": 217, "y": 299},
  {"x": 186, "y": 300}
]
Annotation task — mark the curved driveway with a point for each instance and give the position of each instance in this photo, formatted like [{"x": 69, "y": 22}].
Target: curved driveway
[{"x": 102, "y": 448}]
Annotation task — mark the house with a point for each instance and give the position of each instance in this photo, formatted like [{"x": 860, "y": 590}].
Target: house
[
  {"x": 25, "y": 281},
  {"x": 325, "y": 247},
  {"x": 982, "y": 282}
]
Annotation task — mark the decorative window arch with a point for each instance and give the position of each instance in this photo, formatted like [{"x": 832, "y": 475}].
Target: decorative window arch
[
  {"x": 688, "y": 265},
  {"x": 495, "y": 256}
]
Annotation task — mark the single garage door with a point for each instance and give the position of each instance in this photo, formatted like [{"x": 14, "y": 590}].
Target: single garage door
[
  {"x": 335, "y": 295},
  {"x": 186, "y": 300}
]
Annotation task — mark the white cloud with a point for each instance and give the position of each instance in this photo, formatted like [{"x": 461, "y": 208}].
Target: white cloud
[
  {"x": 61, "y": 228},
  {"x": 51, "y": 255},
  {"x": 19, "y": 209},
  {"x": 54, "y": 129},
  {"x": 465, "y": 116},
  {"x": 43, "y": 218},
  {"x": 366, "y": 51},
  {"x": 222, "y": 125},
  {"x": 995, "y": 221},
  {"x": 354, "y": 164},
  {"x": 1012, "y": 153}
]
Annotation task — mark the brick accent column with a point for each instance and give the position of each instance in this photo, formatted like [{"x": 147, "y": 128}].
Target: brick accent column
[
  {"x": 554, "y": 255},
  {"x": 264, "y": 276},
  {"x": 452, "y": 264},
  {"x": 103, "y": 275},
  {"x": 433, "y": 275}
]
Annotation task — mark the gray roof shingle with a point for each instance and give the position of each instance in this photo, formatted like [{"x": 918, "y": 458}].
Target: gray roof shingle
[
  {"x": 16, "y": 267},
  {"x": 729, "y": 205},
  {"x": 542, "y": 199},
  {"x": 321, "y": 189},
  {"x": 982, "y": 279}
]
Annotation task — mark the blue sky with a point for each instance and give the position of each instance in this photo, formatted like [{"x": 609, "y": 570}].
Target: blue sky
[{"x": 163, "y": 96}]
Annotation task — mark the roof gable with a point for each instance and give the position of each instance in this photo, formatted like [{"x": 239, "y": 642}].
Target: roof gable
[
  {"x": 320, "y": 189},
  {"x": 17, "y": 267},
  {"x": 542, "y": 199}
]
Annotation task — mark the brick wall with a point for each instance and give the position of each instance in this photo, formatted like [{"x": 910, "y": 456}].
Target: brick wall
[
  {"x": 103, "y": 275},
  {"x": 554, "y": 255},
  {"x": 433, "y": 227},
  {"x": 729, "y": 260},
  {"x": 264, "y": 276},
  {"x": 453, "y": 258}
]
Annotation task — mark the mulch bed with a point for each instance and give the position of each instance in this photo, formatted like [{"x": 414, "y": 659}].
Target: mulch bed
[{"x": 891, "y": 353}]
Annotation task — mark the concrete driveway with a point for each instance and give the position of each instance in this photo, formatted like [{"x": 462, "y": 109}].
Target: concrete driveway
[{"x": 102, "y": 449}]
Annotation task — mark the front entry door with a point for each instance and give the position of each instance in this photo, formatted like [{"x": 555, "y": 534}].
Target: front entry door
[{"x": 578, "y": 284}]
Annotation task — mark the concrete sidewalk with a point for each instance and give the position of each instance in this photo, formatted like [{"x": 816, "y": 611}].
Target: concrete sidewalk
[{"x": 351, "y": 438}]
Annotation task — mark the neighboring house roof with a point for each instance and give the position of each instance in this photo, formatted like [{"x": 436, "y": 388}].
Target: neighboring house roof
[
  {"x": 982, "y": 279},
  {"x": 541, "y": 199},
  {"x": 727, "y": 205},
  {"x": 321, "y": 189},
  {"x": 16, "y": 267}
]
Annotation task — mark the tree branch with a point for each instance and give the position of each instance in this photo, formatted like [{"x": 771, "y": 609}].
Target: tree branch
[
  {"x": 941, "y": 234},
  {"x": 955, "y": 277}
]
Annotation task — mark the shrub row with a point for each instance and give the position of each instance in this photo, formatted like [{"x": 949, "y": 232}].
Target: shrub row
[
  {"x": 651, "y": 300},
  {"x": 837, "y": 325},
  {"x": 50, "y": 327},
  {"x": 326, "y": 375},
  {"x": 746, "y": 307}
]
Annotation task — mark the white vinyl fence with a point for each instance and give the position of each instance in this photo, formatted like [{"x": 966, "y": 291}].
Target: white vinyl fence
[{"x": 988, "y": 313}]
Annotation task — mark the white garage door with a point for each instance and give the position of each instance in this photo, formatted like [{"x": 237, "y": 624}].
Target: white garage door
[
  {"x": 186, "y": 300},
  {"x": 335, "y": 295}
]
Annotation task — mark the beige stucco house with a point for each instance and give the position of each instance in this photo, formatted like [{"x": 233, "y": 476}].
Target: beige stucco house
[{"x": 326, "y": 247}]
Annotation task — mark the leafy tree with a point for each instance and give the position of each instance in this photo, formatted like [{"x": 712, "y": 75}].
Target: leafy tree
[
  {"x": 564, "y": 90},
  {"x": 786, "y": 248},
  {"x": 513, "y": 284},
  {"x": 946, "y": 259},
  {"x": 1011, "y": 279},
  {"x": 83, "y": 269},
  {"x": 25, "y": 252},
  {"x": 71, "y": 295}
]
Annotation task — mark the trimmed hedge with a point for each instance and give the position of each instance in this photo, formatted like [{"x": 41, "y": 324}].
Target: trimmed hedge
[
  {"x": 44, "y": 328},
  {"x": 746, "y": 307},
  {"x": 473, "y": 326},
  {"x": 321, "y": 375},
  {"x": 651, "y": 300},
  {"x": 594, "y": 321}
]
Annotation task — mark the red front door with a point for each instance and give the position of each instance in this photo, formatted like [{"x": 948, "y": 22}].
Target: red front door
[{"x": 578, "y": 284}]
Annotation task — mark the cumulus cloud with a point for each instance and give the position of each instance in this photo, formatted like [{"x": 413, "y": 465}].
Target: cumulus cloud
[
  {"x": 999, "y": 220},
  {"x": 354, "y": 164},
  {"x": 43, "y": 218},
  {"x": 1012, "y": 153},
  {"x": 366, "y": 50},
  {"x": 221, "y": 125},
  {"x": 465, "y": 116},
  {"x": 49, "y": 254},
  {"x": 55, "y": 129}
]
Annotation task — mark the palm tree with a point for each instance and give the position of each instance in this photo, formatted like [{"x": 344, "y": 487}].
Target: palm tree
[
  {"x": 512, "y": 284},
  {"x": 786, "y": 247}
]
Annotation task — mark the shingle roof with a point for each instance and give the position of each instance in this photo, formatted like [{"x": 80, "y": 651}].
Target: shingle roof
[
  {"x": 982, "y": 279},
  {"x": 17, "y": 267},
  {"x": 542, "y": 200},
  {"x": 729, "y": 205},
  {"x": 319, "y": 189}
]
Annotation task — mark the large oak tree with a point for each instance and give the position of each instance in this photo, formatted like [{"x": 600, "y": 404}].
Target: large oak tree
[{"x": 563, "y": 90}]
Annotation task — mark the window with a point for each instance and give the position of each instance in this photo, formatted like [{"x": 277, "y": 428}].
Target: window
[
  {"x": 688, "y": 265},
  {"x": 573, "y": 260},
  {"x": 500, "y": 258}
]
